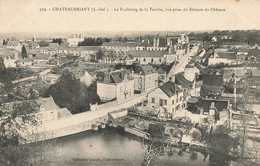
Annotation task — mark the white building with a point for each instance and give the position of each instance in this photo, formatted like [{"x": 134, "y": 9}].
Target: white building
[
  {"x": 10, "y": 56},
  {"x": 167, "y": 96},
  {"x": 74, "y": 40},
  {"x": 116, "y": 85},
  {"x": 146, "y": 78},
  {"x": 148, "y": 57}
]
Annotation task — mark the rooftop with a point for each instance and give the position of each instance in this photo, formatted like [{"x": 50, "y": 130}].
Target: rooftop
[
  {"x": 13, "y": 43},
  {"x": 145, "y": 69},
  {"x": 212, "y": 80},
  {"x": 226, "y": 55},
  {"x": 181, "y": 80},
  {"x": 219, "y": 104},
  {"x": 42, "y": 56},
  {"x": 170, "y": 89},
  {"x": 256, "y": 73},
  {"x": 150, "y": 54},
  {"x": 120, "y": 44}
]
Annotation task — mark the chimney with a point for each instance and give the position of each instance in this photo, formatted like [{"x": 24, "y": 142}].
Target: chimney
[
  {"x": 212, "y": 105},
  {"x": 107, "y": 77},
  {"x": 172, "y": 79}
]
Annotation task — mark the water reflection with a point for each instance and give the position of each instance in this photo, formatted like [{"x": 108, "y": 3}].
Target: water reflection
[{"x": 113, "y": 144}]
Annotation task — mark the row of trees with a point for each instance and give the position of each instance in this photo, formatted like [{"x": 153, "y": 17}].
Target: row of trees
[
  {"x": 93, "y": 41},
  {"x": 57, "y": 40},
  {"x": 250, "y": 36}
]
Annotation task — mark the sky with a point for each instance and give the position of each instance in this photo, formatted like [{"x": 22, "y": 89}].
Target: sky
[{"x": 25, "y": 16}]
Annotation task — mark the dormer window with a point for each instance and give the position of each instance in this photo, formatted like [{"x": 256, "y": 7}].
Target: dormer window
[{"x": 42, "y": 107}]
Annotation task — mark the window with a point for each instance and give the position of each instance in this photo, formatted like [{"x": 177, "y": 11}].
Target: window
[
  {"x": 164, "y": 102},
  {"x": 152, "y": 60},
  {"x": 180, "y": 98},
  {"x": 144, "y": 59},
  {"x": 52, "y": 115},
  {"x": 153, "y": 100},
  {"x": 139, "y": 86},
  {"x": 172, "y": 102},
  {"x": 172, "y": 109},
  {"x": 161, "y": 102},
  {"x": 177, "y": 100},
  {"x": 40, "y": 116}
]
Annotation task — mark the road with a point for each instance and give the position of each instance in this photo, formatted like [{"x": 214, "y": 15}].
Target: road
[
  {"x": 90, "y": 115},
  {"x": 180, "y": 67}
]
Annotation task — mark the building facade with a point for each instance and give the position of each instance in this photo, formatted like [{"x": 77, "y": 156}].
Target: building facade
[
  {"x": 116, "y": 85},
  {"x": 145, "y": 77},
  {"x": 168, "y": 96}
]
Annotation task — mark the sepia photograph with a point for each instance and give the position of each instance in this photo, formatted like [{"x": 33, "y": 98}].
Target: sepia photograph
[{"x": 130, "y": 83}]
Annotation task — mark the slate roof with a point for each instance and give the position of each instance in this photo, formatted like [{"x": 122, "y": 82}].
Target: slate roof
[
  {"x": 212, "y": 80},
  {"x": 116, "y": 77},
  {"x": 226, "y": 55},
  {"x": 49, "y": 103},
  {"x": 46, "y": 103},
  {"x": 170, "y": 89},
  {"x": 128, "y": 57},
  {"x": 145, "y": 69},
  {"x": 208, "y": 54},
  {"x": 150, "y": 54},
  {"x": 210, "y": 88},
  {"x": 220, "y": 104},
  {"x": 13, "y": 43},
  {"x": 254, "y": 52},
  {"x": 8, "y": 53},
  {"x": 161, "y": 71},
  {"x": 89, "y": 48},
  {"x": 31, "y": 51},
  {"x": 256, "y": 73},
  {"x": 120, "y": 44},
  {"x": 24, "y": 60},
  {"x": 42, "y": 56},
  {"x": 181, "y": 80},
  {"x": 235, "y": 43}
]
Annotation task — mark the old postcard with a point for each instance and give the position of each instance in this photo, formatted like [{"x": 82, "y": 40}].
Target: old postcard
[{"x": 130, "y": 83}]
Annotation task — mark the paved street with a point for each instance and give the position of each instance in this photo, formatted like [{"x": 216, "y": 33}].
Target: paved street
[
  {"x": 90, "y": 115},
  {"x": 180, "y": 66}
]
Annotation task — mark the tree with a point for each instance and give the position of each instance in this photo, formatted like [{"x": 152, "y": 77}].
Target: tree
[
  {"x": 43, "y": 43},
  {"x": 99, "y": 54},
  {"x": 196, "y": 135},
  {"x": 155, "y": 146},
  {"x": 206, "y": 38},
  {"x": 4, "y": 42},
  {"x": 216, "y": 32},
  {"x": 57, "y": 40},
  {"x": 2, "y": 66},
  {"x": 125, "y": 39},
  {"x": 24, "y": 52},
  {"x": 15, "y": 126},
  {"x": 69, "y": 92}
]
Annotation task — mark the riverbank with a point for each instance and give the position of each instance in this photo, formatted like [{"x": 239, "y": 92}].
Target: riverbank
[
  {"x": 184, "y": 143},
  {"x": 113, "y": 143}
]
